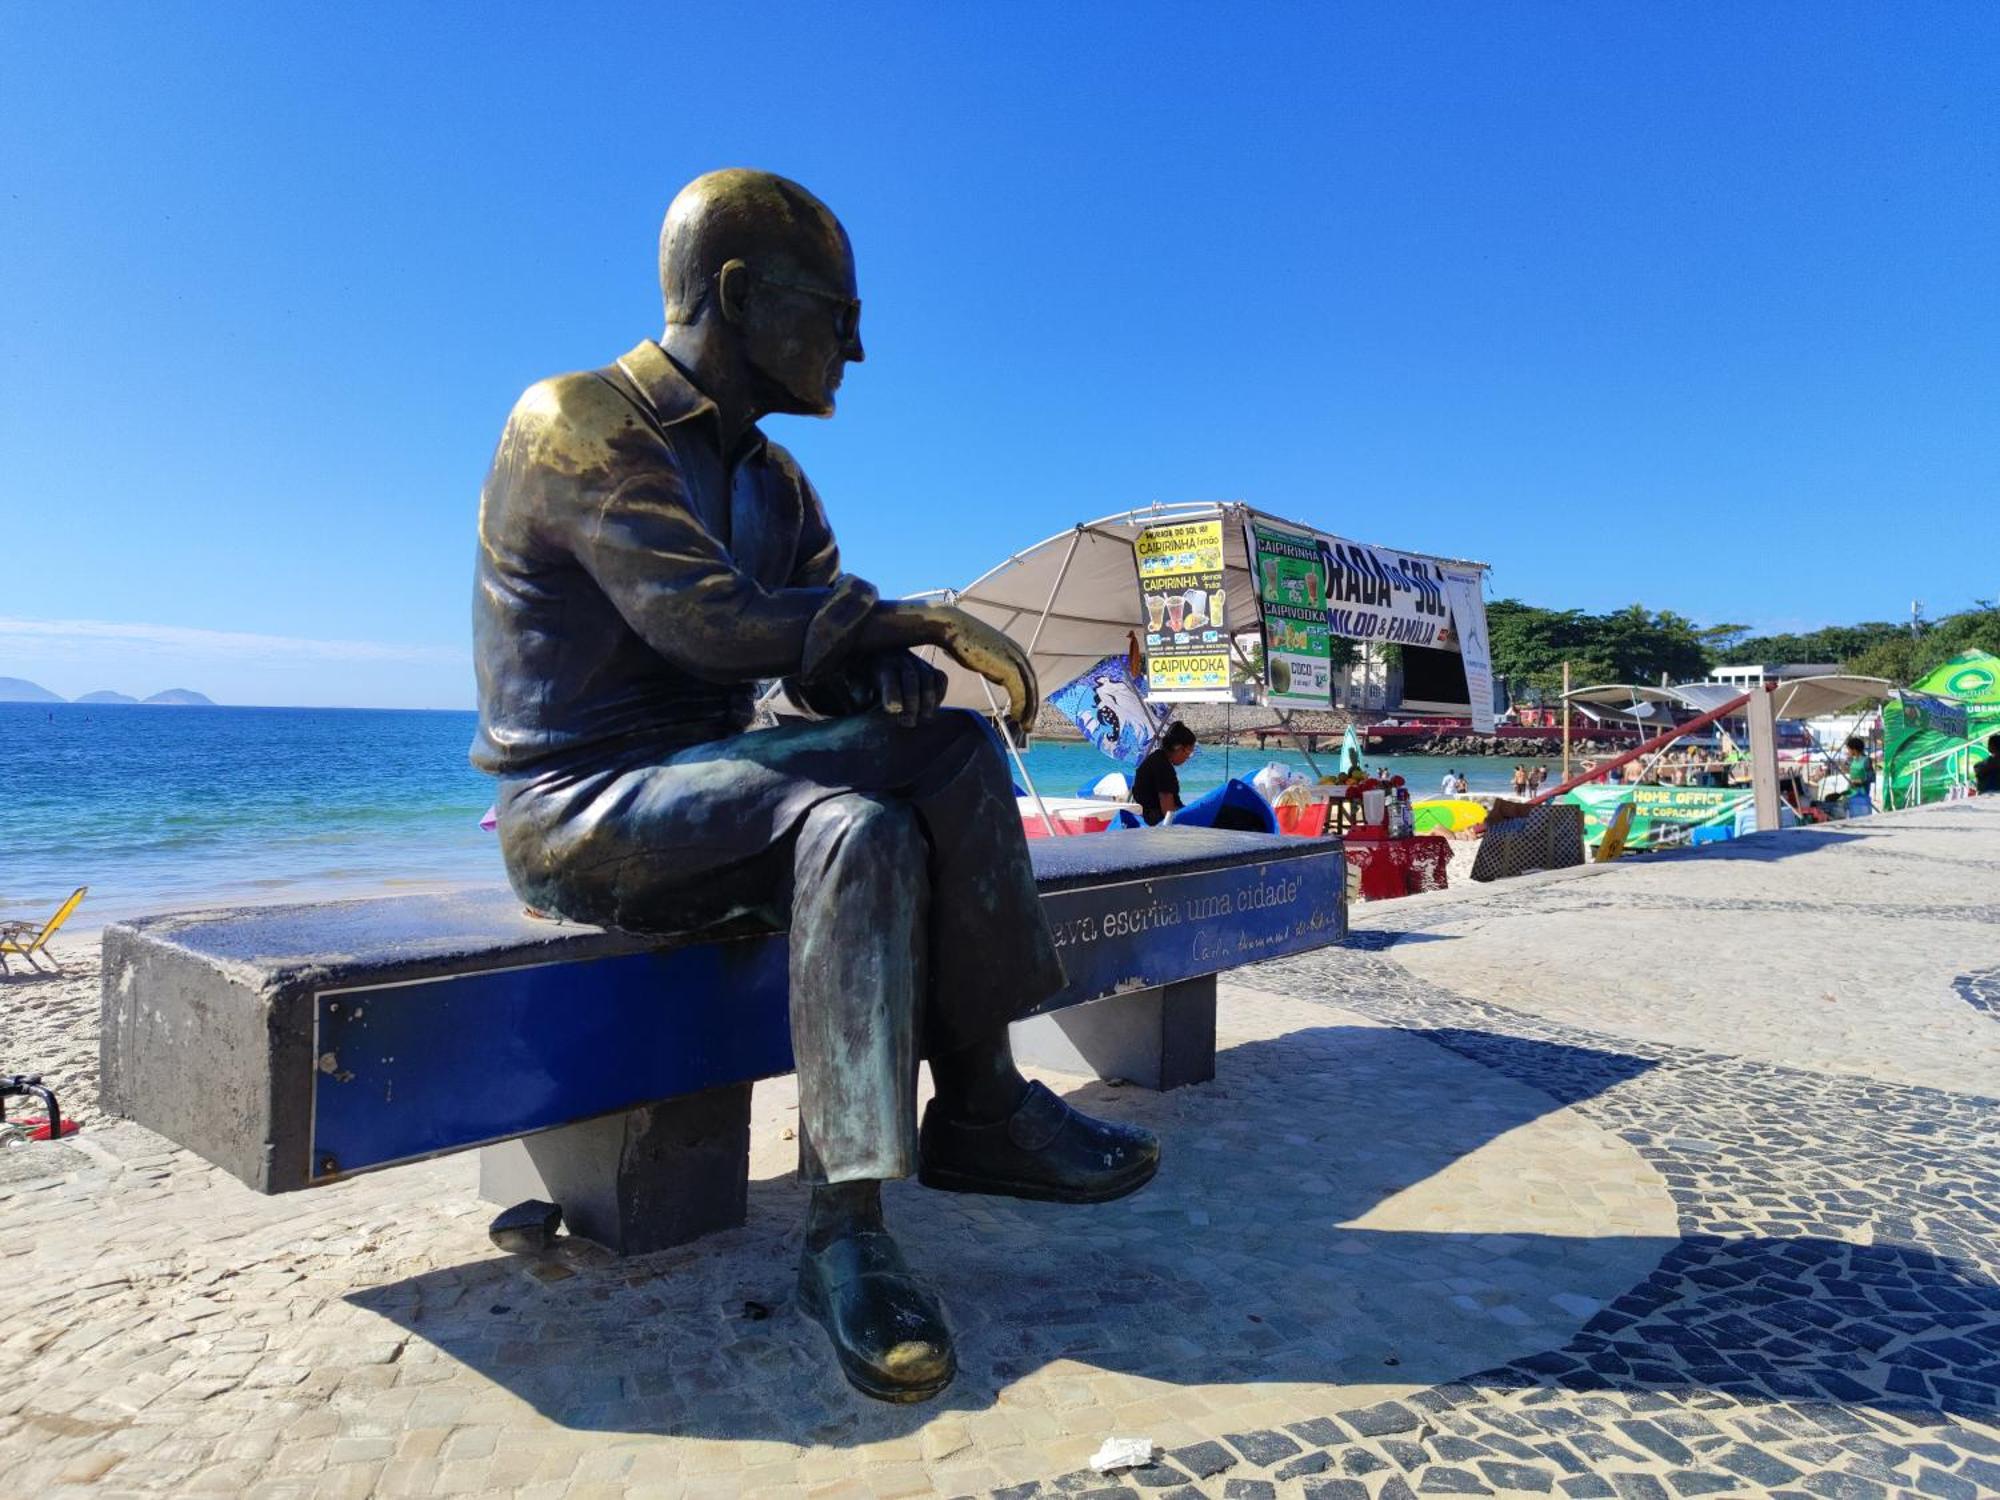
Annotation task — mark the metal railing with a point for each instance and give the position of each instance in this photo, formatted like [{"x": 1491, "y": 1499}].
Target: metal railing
[{"x": 1952, "y": 768}]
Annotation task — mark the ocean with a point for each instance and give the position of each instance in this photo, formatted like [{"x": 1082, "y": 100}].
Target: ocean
[{"x": 157, "y": 808}]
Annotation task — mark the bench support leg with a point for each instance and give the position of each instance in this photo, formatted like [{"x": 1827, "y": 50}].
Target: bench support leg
[
  {"x": 1159, "y": 1038},
  {"x": 637, "y": 1181}
]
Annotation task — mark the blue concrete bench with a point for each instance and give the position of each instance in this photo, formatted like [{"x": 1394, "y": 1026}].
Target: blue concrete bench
[{"x": 295, "y": 1046}]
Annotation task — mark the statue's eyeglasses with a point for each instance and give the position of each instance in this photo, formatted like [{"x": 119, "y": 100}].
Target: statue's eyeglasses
[{"x": 849, "y": 321}]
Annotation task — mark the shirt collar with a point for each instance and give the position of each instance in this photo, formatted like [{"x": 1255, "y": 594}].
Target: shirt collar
[{"x": 674, "y": 398}]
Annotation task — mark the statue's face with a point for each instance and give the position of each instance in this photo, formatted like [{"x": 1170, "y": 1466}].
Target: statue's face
[{"x": 801, "y": 327}]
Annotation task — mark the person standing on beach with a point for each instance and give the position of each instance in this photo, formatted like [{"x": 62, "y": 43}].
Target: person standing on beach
[
  {"x": 1520, "y": 781},
  {"x": 1860, "y": 780}
]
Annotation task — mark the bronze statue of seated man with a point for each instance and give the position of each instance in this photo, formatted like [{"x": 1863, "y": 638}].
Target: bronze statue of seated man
[{"x": 646, "y": 559}]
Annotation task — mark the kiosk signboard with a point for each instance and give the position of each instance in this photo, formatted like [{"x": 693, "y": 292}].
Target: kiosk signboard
[
  {"x": 1291, "y": 597},
  {"x": 1180, "y": 584}
]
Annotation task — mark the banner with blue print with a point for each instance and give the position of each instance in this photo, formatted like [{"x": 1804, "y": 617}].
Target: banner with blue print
[{"x": 1109, "y": 705}]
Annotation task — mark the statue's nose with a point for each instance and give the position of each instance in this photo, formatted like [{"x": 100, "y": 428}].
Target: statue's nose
[{"x": 854, "y": 354}]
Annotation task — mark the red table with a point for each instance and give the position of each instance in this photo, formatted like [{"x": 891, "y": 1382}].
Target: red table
[{"x": 1397, "y": 867}]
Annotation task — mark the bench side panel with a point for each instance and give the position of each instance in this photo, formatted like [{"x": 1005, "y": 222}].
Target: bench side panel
[
  {"x": 205, "y": 1057},
  {"x": 1143, "y": 934},
  {"x": 409, "y": 1070},
  {"x": 415, "y": 1069}
]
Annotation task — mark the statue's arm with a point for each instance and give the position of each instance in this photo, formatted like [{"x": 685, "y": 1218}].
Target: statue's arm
[
  {"x": 899, "y": 625},
  {"x": 857, "y": 684},
  {"x": 683, "y": 594}
]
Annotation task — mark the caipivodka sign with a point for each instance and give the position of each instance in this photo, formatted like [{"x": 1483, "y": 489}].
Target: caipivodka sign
[{"x": 1291, "y": 598}]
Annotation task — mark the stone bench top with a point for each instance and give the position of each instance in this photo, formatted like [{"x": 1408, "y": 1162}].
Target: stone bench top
[
  {"x": 487, "y": 925},
  {"x": 299, "y": 1044}
]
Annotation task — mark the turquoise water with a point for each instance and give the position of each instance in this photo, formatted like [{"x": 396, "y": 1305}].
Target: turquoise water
[{"x": 162, "y": 807}]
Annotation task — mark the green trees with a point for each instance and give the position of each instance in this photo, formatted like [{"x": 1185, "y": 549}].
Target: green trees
[
  {"x": 1633, "y": 644},
  {"x": 1906, "y": 656},
  {"x": 1636, "y": 644},
  {"x": 1835, "y": 643}
]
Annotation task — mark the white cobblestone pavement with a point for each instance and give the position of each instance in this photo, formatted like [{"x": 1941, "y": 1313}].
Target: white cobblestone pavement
[{"x": 1573, "y": 1186}]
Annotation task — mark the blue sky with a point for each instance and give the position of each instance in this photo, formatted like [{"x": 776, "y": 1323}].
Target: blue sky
[{"x": 1695, "y": 306}]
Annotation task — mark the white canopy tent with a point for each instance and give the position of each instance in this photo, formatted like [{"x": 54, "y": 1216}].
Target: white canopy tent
[
  {"x": 1793, "y": 698},
  {"x": 1073, "y": 599}
]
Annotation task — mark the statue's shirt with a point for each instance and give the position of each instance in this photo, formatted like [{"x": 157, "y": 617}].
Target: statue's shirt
[{"x": 634, "y": 582}]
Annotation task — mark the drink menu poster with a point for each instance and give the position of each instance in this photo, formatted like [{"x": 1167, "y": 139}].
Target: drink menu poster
[
  {"x": 1180, "y": 588},
  {"x": 1291, "y": 588}
]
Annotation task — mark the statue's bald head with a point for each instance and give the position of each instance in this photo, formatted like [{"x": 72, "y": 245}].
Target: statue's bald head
[{"x": 765, "y": 220}]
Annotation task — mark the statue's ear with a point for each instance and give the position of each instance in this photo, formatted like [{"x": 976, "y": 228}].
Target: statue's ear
[{"x": 732, "y": 290}]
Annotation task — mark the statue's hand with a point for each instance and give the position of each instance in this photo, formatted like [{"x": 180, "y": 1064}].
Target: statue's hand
[
  {"x": 978, "y": 647},
  {"x": 909, "y": 690}
]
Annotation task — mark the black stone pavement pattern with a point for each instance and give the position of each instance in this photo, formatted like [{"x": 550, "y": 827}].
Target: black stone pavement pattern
[{"x": 1828, "y": 1325}]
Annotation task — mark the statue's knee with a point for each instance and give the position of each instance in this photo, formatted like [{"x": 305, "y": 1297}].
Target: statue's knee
[
  {"x": 871, "y": 830},
  {"x": 966, "y": 733}
]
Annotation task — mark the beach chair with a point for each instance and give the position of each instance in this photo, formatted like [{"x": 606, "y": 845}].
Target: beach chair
[
  {"x": 25, "y": 939},
  {"x": 1613, "y": 843}
]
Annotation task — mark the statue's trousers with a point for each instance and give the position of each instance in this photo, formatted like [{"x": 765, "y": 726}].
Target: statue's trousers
[{"x": 895, "y": 856}]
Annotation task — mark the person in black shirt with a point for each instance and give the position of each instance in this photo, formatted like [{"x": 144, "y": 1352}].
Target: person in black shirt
[
  {"x": 1986, "y": 774},
  {"x": 1156, "y": 787}
]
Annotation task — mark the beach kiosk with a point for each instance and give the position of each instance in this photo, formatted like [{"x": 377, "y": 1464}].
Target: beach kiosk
[
  {"x": 1225, "y": 604},
  {"x": 1231, "y": 602}
]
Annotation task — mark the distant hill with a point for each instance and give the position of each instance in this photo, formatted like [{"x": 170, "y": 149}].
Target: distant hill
[
  {"x": 181, "y": 698},
  {"x": 105, "y": 695},
  {"x": 20, "y": 690}
]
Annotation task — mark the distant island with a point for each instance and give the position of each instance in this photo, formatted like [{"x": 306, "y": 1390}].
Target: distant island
[{"x": 20, "y": 690}]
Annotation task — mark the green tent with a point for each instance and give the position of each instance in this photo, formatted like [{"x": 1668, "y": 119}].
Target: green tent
[
  {"x": 1932, "y": 734},
  {"x": 1971, "y": 677}
]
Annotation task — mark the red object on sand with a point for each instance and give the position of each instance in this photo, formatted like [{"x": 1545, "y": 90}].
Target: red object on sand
[
  {"x": 37, "y": 1126},
  {"x": 1398, "y": 867},
  {"x": 1066, "y": 823}
]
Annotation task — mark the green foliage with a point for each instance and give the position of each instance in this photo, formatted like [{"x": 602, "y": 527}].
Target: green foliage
[
  {"x": 1636, "y": 644},
  {"x": 1836, "y": 643},
  {"x": 1633, "y": 644},
  {"x": 1904, "y": 657}
]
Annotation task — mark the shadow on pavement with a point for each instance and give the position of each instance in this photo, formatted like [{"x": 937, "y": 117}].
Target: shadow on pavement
[
  {"x": 1758, "y": 849},
  {"x": 1240, "y": 1265},
  {"x": 1237, "y": 1265}
]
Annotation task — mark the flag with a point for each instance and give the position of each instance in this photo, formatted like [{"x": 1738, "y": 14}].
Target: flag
[
  {"x": 1350, "y": 751},
  {"x": 1108, "y": 703}
]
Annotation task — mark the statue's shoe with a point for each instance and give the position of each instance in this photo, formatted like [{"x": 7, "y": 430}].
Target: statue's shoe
[
  {"x": 886, "y": 1328},
  {"x": 1044, "y": 1150}
]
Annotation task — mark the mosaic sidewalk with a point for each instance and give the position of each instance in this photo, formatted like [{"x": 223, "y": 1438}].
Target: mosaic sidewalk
[{"x": 1511, "y": 1196}]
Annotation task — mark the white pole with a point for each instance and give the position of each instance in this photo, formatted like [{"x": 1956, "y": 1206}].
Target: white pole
[
  {"x": 1041, "y": 807},
  {"x": 1285, "y": 723},
  {"x": 1761, "y": 712},
  {"x": 1055, "y": 588}
]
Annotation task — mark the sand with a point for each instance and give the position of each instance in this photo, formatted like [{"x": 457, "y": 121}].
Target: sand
[{"x": 48, "y": 1025}]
